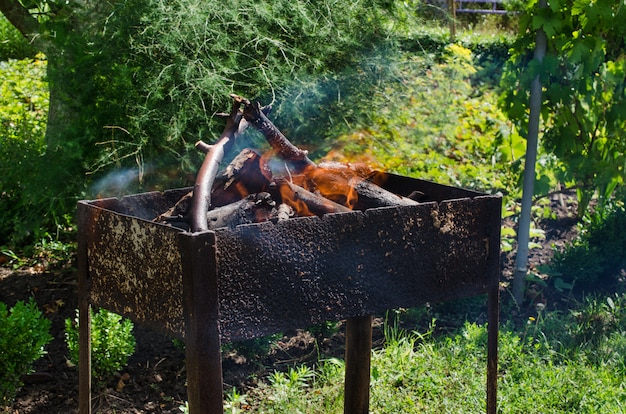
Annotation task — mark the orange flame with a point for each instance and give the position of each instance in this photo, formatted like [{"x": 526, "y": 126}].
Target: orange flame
[
  {"x": 339, "y": 188},
  {"x": 290, "y": 197},
  {"x": 334, "y": 181}
]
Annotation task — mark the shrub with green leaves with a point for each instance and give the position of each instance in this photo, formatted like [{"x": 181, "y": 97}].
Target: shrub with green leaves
[
  {"x": 140, "y": 81},
  {"x": 428, "y": 118},
  {"x": 136, "y": 82},
  {"x": 24, "y": 333},
  {"x": 597, "y": 257},
  {"x": 584, "y": 78},
  {"x": 112, "y": 342}
]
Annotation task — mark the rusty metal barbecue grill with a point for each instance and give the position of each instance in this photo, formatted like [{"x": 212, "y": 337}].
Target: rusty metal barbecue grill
[{"x": 211, "y": 287}]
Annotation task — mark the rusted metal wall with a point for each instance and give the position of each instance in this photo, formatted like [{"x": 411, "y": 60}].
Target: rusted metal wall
[
  {"x": 308, "y": 270},
  {"x": 276, "y": 276}
]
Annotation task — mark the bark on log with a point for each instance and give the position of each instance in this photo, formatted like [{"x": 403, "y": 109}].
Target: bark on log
[
  {"x": 348, "y": 169},
  {"x": 372, "y": 196},
  {"x": 351, "y": 189}
]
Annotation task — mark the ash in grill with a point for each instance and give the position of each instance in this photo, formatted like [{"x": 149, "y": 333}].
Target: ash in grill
[{"x": 256, "y": 269}]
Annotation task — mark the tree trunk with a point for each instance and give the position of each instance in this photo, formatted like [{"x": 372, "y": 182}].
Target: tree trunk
[
  {"x": 59, "y": 110},
  {"x": 523, "y": 232}
]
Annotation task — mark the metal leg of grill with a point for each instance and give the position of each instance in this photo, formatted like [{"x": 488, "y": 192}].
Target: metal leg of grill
[
  {"x": 202, "y": 334},
  {"x": 358, "y": 357},
  {"x": 84, "y": 321}
]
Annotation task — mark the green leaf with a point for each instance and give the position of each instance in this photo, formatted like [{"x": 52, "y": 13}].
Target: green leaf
[
  {"x": 555, "y": 5},
  {"x": 549, "y": 22},
  {"x": 561, "y": 285},
  {"x": 579, "y": 7},
  {"x": 508, "y": 232}
]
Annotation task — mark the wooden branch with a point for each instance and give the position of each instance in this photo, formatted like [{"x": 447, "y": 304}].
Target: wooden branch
[
  {"x": 206, "y": 176},
  {"x": 371, "y": 196},
  {"x": 24, "y": 22},
  {"x": 370, "y": 193},
  {"x": 349, "y": 187},
  {"x": 245, "y": 174},
  {"x": 178, "y": 212},
  {"x": 283, "y": 147}
]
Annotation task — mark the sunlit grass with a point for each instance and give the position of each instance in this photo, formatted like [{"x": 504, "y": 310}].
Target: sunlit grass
[{"x": 422, "y": 373}]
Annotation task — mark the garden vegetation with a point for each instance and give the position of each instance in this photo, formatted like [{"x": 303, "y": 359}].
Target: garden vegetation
[{"x": 123, "y": 90}]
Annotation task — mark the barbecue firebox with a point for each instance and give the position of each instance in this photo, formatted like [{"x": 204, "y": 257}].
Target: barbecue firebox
[{"x": 227, "y": 284}]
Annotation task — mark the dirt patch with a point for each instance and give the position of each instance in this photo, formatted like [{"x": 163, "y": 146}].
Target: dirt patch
[{"x": 154, "y": 380}]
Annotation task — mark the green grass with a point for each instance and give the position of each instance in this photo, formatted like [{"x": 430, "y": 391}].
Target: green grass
[{"x": 422, "y": 373}]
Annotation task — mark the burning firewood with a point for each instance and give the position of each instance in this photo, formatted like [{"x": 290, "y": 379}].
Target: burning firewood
[
  {"x": 307, "y": 203},
  {"x": 246, "y": 174},
  {"x": 249, "y": 191},
  {"x": 369, "y": 194},
  {"x": 243, "y": 176}
]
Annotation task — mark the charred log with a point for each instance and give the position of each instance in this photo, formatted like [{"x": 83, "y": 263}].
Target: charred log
[
  {"x": 177, "y": 213},
  {"x": 371, "y": 196},
  {"x": 284, "y": 212},
  {"x": 348, "y": 169},
  {"x": 245, "y": 175},
  {"x": 255, "y": 208}
]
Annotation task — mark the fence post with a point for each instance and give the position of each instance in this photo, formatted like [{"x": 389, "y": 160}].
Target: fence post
[{"x": 452, "y": 10}]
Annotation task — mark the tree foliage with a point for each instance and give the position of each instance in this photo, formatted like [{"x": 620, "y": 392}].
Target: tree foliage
[
  {"x": 584, "y": 100},
  {"x": 134, "y": 83}
]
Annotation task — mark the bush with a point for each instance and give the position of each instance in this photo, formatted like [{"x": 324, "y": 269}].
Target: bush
[
  {"x": 23, "y": 114},
  {"x": 23, "y": 334},
  {"x": 146, "y": 77},
  {"x": 112, "y": 342},
  {"x": 598, "y": 256}
]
